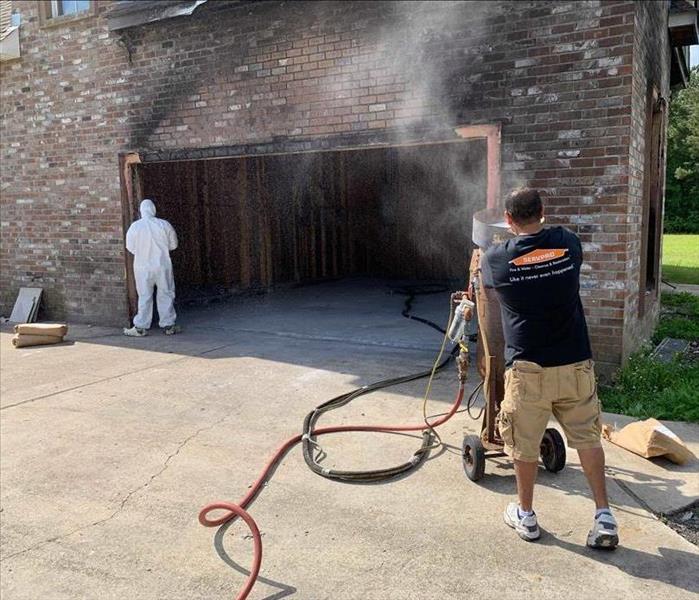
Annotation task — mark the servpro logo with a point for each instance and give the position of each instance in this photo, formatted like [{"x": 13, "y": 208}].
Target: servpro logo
[{"x": 539, "y": 256}]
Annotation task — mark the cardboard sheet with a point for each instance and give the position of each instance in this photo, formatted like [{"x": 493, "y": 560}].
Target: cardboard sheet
[
  {"x": 650, "y": 439},
  {"x": 26, "y": 306}
]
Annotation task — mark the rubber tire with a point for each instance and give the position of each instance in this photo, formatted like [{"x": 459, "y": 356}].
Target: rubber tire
[
  {"x": 473, "y": 457},
  {"x": 553, "y": 450}
]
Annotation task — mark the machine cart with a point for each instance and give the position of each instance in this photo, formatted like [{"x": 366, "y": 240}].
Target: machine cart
[{"x": 488, "y": 229}]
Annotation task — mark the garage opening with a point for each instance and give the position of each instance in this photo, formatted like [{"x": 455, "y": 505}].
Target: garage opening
[{"x": 255, "y": 222}]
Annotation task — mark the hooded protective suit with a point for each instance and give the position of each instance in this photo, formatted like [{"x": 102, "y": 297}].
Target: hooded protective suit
[{"x": 150, "y": 240}]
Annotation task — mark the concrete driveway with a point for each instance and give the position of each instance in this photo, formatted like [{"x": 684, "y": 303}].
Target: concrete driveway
[{"x": 111, "y": 445}]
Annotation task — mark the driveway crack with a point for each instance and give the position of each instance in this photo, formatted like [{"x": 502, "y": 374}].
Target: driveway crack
[{"x": 125, "y": 499}]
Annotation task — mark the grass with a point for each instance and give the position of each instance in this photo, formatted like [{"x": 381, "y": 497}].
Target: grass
[
  {"x": 681, "y": 258},
  {"x": 679, "y": 317},
  {"x": 645, "y": 388}
]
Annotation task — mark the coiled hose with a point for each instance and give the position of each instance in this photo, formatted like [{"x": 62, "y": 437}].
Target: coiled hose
[{"x": 232, "y": 510}]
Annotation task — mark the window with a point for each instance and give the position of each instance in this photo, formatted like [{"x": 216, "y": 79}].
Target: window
[
  {"x": 653, "y": 189},
  {"x": 59, "y": 11},
  {"x": 68, "y": 7}
]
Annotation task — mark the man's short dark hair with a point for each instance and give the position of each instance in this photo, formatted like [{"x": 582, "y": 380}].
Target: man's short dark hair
[{"x": 524, "y": 205}]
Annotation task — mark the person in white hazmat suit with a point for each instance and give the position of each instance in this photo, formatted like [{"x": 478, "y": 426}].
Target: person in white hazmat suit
[{"x": 151, "y": 240}]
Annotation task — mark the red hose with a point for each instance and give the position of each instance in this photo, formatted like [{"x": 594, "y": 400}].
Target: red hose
[{"x": 238, "y": 510}]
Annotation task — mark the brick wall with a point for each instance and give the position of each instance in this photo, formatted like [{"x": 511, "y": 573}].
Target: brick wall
[
  {"x": 61, "y": 130},
  {"x": 285, "y": 76},
  {"x": 651, "y": 57}
]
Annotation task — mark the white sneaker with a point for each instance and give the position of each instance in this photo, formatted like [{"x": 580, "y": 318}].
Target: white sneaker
[
  {"x": 172, "y": 330},
  {"x": 526, "y": 527},
  {"x": 135, "y": 332},
  {"x": 604, "y": 532}
]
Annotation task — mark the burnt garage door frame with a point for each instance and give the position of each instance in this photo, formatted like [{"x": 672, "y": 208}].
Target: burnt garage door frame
[{"x": 132, "y": 163}]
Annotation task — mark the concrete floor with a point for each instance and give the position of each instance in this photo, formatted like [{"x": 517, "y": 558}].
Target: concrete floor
[{"x": 111, "y": 445}]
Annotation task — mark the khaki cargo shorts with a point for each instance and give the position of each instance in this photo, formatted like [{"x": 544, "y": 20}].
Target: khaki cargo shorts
[{"x": 533, "y": 392}]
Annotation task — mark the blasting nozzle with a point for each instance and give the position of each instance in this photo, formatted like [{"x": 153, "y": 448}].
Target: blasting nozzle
[{"x": 462, "y": 313}]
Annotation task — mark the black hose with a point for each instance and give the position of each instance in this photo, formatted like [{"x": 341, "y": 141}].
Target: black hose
[
  {"x": 471, "y": 400},
  {"x": 421, "y": 454},
  {"x": 421, "y": 290}
]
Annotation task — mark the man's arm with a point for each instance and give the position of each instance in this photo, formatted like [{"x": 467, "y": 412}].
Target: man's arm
[
  {"x": 580, "y": 249},
  {"x": 577, "y": 244},
  {"x": 130, "y": 241},
  {"x": 486, "y": 271},
  {"x": 171, "y": 237}
]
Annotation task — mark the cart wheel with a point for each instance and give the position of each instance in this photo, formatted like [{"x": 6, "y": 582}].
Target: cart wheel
[
  {"x": 473, "y": 455},
  {"x": 553, "y": 450}
]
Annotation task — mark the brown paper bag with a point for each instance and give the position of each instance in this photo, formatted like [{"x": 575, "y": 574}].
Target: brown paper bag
[
  {"x": 54, "y": 329},
  {"x": 21, "y": 340},
  {"x": 649, "y": 438}
]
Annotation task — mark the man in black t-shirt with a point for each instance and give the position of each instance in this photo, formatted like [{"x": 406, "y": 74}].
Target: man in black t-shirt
[{"x": 548, "y": 358}]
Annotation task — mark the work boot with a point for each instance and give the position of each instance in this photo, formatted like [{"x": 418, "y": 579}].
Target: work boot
[
  {"x": 526, "y": 526},
  {"x": 605, "y": 532},
  {"x": 172, "y": 329},
  {"x": 135, "y": 332}
]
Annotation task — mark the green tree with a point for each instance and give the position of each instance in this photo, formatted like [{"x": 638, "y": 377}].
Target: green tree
[{"x": 682, "y": 179}]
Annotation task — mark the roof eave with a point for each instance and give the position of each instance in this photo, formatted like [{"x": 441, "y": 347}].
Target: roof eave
[
  {"x": 683, "y": 28},
  {"x": 140, "y": 13}
]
